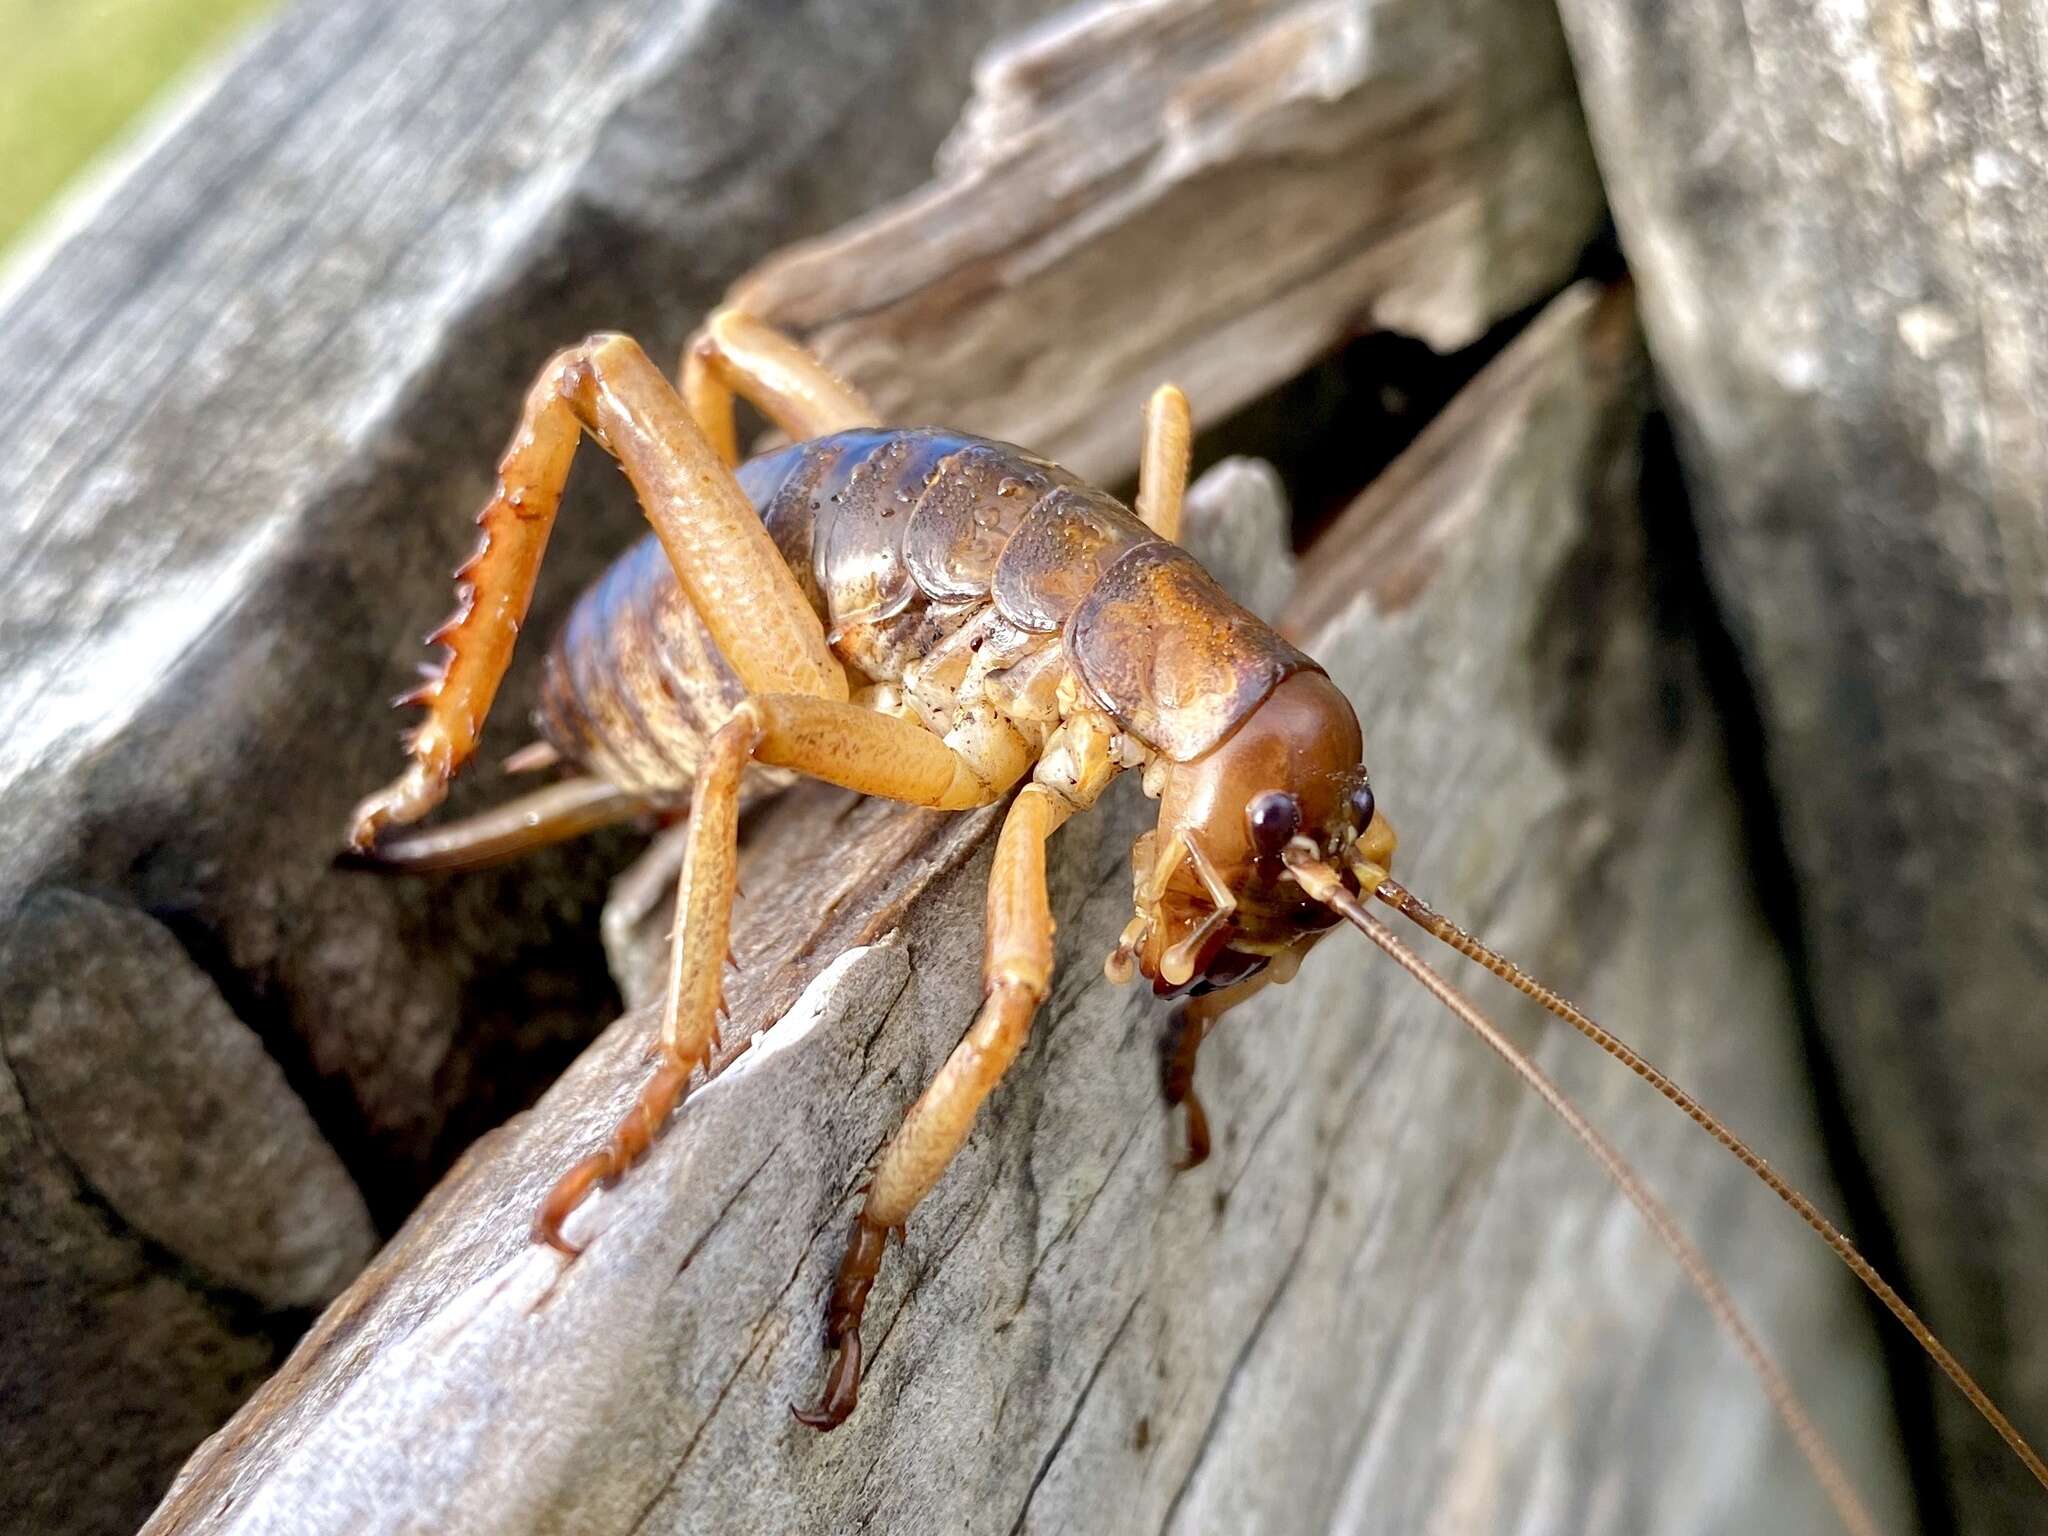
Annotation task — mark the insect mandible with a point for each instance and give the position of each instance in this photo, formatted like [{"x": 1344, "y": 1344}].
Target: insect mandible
[{"x": 937, "y": 618}]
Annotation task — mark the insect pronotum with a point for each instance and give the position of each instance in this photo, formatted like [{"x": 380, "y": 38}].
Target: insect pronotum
[{"x": 938, "y": 618}]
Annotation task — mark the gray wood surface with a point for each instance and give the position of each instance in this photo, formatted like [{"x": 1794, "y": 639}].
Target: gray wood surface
[
  {"x": 1397, "y": 1299},
  {"x": 256, "y": 391},
  {"x": 1224, "y": 192},
  {"x": 1839, "y": 220}
]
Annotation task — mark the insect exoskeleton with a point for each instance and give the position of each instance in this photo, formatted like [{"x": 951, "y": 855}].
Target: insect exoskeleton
[{"x": 947, "y": 621}]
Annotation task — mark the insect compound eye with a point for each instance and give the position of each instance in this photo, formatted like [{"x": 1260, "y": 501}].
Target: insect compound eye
[
  {"x": 1273, "y": 817},
  {"x": 1362, "y": 805}
]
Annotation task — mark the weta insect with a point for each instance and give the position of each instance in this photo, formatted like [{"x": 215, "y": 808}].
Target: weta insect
[{"x": 935, "y": 618}]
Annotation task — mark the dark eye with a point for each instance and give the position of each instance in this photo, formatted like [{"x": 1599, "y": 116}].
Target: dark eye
[
  {"x": 1362, "y": 804},
  {"x": 1273, "y": 817}
]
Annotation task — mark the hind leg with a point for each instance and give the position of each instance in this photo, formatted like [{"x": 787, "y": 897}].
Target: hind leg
[
  {"x": 735, "y": 354},
  {"x": 555, "y": 814},
  {"x": 634, "y": 895},
  {"x": 723, "y": 558}
]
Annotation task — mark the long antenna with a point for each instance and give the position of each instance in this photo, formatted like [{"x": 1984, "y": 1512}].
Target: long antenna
[
  {"x": 1411, "y": 906},
  {"x": 1321, "y": 883}
]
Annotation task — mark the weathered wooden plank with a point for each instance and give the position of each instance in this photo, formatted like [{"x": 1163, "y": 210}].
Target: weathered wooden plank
[
  {"x": 1350, "y": 1338},
  {"x": 1396, "y": 1299},
  {"x": 1209, "y": 191},
  {"x": 1839, "y": 219}
]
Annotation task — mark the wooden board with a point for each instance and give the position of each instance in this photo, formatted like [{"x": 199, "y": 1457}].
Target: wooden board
[
  {"x": 254, "y": 389},
  {"x": 258, "y": 386},
  {"x": 1207, "y": 191}
]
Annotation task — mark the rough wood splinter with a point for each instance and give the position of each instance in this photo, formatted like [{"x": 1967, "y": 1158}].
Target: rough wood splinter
[{"x": 934, "y": 618}]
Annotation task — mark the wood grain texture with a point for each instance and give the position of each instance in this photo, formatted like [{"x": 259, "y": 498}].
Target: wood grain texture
[
  {"x": 1839, "y": 220},
  {"x": 1396, "y": 1299},
  {"x": 1212, "y": 192},
  {"x": 261, "y": 390}
]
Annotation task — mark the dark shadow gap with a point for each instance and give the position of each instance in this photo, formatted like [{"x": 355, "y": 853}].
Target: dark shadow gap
[{"x": 1333, "y": 429}]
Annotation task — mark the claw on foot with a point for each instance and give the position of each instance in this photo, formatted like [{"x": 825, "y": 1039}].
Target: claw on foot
[
  {"x": 570, "y": 1191},
  {"x": 636, "y": 1133},
  {"x": 404, "y": 800},
  {"x": 856, "y": 1277},
  {"x": 842, "y": 1387}
]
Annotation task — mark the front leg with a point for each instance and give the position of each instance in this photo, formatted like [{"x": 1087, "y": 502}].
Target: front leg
[
  {"x": 1016, "y": 974},
  {"x": 1185, "y": 1032},
  {"x": 1190, "y": 1026}
]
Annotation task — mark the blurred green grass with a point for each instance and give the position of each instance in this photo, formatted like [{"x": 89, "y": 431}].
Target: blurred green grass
[{"x": 75, "y": 74}]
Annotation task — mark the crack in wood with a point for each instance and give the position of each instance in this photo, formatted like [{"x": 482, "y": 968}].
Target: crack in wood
[
  {"x": 1237, "y": 1364},
  {"x": 1073, "y": 1416},
  {"x": 725, "y": 1210}
]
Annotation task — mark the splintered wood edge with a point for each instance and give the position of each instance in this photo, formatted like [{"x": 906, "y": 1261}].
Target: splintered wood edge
[
  {"x": 1388, "y": 542},
  {"x": 1271, "y": 178}
]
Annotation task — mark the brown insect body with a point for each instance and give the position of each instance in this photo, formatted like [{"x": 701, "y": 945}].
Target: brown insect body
[
  {"x": 938, "y": 618},
  {"x": 995, "y": 599}
]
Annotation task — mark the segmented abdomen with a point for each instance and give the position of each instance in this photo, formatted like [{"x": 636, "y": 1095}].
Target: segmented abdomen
[
  {"x": 878, "y": 521},
  {"x": 634, "y": 684},
  {"x": 900, "y": 538}
]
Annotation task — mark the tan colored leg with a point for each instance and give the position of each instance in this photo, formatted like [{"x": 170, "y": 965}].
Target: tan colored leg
[
  {"x": 723, "y": 557},
  {"x": 634, "y": 894},
  {"x": 696, "y": 971},
  {"x": 1016, "y": 974},
  {"x": 827, "y": 739},
  {"x": 1163, "y": 465},
  {"x": 569, "y": 808},
  {"x": 735, "y": 354}
]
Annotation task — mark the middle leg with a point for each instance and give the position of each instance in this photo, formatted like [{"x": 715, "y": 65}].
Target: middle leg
[
  {"x": 830, "y": 739},
  {"x": 1163, "y": 461}
]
